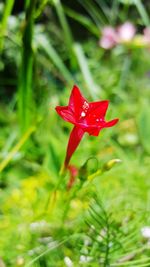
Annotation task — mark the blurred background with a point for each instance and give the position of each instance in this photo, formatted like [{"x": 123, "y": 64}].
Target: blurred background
[{"x": 46, "y": 47}]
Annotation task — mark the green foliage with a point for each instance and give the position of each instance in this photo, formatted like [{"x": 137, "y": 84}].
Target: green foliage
[
  {"x": 45, "y": 48},
  {"x": 144, "y": 127},
  {"x": 6, "y": 13},
  {"x": 111, "y": 242},
  {"x": 25, "y": 100}
]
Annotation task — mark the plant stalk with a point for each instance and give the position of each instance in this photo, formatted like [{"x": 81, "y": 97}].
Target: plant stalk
[{"x": 25, "y": 101}]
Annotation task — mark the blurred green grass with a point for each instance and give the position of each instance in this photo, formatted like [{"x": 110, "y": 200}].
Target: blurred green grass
[{"x": 33, "y": 145}]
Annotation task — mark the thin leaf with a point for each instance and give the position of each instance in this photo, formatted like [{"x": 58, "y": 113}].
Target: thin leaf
[
  {"x": 52, "y": 54},
  {"x": 68, "y": 39},
  {"x": 142, "y": 11},
  {"x": 92, "y": 86},
  {"x": 3, "y": 26},
  {"x": 16, "y": 148},
  {"x": 25, "y": 86},
  {"x": 83, "y": 20}
]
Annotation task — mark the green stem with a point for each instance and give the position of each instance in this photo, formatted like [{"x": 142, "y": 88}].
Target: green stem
[
  {"x": 142, "y": 11},
  {"x": 7, "y": 11},
  {"x": 70, "y": 196},
  {"x": 106, "y": 262},
  {"x": 25, "y": 102},
  {"x": 95, "y": 174},
  {"x": 16, "y": 148},
  {"x": 66, "y": 30},
  {"x": 52, "y": 197}
]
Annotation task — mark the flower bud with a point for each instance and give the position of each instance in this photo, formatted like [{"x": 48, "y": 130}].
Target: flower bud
[{"x": 108, "y": 165}]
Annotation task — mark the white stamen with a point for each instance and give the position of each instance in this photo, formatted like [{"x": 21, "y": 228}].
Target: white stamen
[
  {"x": 85, "y": 106},
  {"x": 83, "y": 114}
]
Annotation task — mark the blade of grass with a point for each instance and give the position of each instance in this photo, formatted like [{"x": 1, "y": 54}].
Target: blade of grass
[
  {"x": 94, "y": 12},
  {"x": 138, "y": 263},
  {"x": 25, "y": 101},
  {"x": 142, "y": 265},
  {"x": 46, "y": 252},
  {"x": 7, "y": 11},
  {"x": 66, "y": 30},
  {"x": 40, "y": 8},
  {"x": 16, "y": 148},
  {"x": 92, "y": 87},
  {"x": 115, "y": 14},
  {"x": 105, "y": 10},
  {"x": 53, "y": 247},
  {"x": 52, "y": 54},
  {"x": 142, "y": 11},
  {"x": 83, "y": 20},
  {"x": 124, "y": 74}
]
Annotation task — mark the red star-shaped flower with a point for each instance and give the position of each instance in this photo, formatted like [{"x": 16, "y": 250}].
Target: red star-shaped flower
[{"x": 86, "y": 117}]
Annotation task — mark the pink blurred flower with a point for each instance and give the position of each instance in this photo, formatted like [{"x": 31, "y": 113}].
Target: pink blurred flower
[
  {"x": 109, "y": 37},
  {"x": 126, "y": 32},
  {"x": 146, "y": 36},
  {"x": 113, "y": 36}
]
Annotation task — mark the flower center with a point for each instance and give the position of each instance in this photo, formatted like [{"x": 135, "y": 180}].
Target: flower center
[{"x": 85, "y": 108}]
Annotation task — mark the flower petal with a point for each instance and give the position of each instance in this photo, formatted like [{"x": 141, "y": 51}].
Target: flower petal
[
  {"x": 99, "y": 108},
  {"x": 111, "y": 123},
  {"x": 77, "y": 103},
  {"x": 126, "y": 32},
  {"x": 109, "y": 37},
  {"x": 66, "y": 114},
  {"x": 95, "y": 130},
  {"x": 97, "y": 113},
  {"x": 74, "y": 140}
]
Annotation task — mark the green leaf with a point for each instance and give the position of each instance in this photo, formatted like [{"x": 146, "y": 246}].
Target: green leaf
[
  {"x": 83, "y": 20},
  {"x": 83, "y": 63},
  {"x": 3, "y": 25},
  {"x": 44, "y": 44},
  {"x": 25, "y": 84},
  {"x": 144, "y": 126}
]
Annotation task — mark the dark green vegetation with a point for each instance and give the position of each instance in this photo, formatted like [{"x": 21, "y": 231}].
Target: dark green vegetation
[{"x": 45, "y": 47}]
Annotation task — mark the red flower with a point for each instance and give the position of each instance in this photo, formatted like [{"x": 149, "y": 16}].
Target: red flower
[{"x": 86, "y": 117}]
